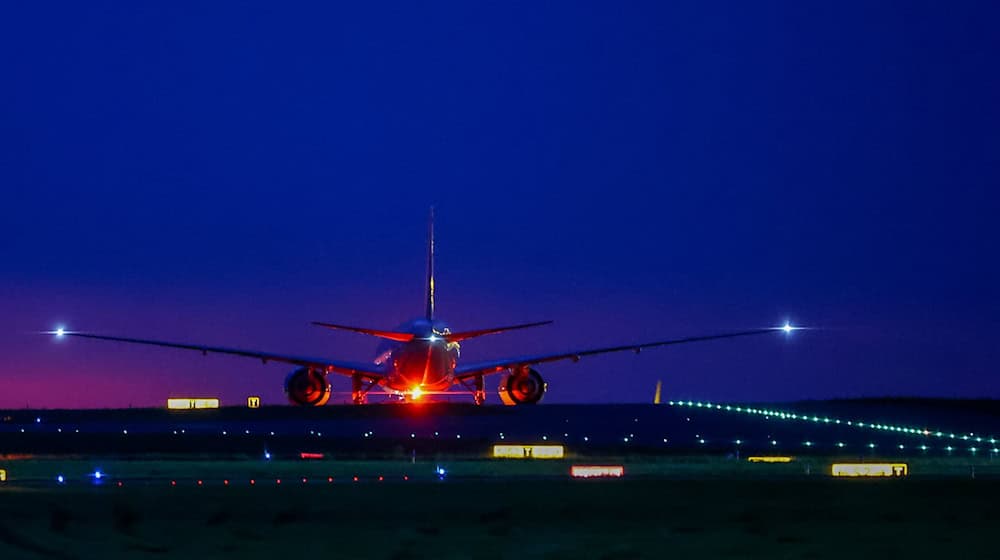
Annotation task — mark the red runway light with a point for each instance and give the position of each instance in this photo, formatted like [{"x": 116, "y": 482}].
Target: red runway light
[
  {"x": 119, "y": 484},
  {"x": 311, "y": 455},
  {"x": 329, "y": 479},
  {"x": 305, "y": 480},
  {"x": 252, "y": 482},
  {"x": 380, "y": 478},
  {"x": 406, "y": 477},
  {"x": 355, "y": 479},
  {"x": 226, "y": 482},
  {"x": 173, "y": 483},
  {"x": 278, "y": 481},
  {"x": 200, "y": 483}
]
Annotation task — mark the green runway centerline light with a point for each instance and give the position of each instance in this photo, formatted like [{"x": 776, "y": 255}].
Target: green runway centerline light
[{"x": 785, "y": 415}]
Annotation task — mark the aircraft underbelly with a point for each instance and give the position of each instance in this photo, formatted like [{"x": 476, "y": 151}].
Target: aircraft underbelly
[{"x": 422, "y": 364}]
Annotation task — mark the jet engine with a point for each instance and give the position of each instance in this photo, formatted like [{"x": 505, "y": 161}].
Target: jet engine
[
  {"x": 521, "y": 386},
  {"x": 307, "y": 387}
]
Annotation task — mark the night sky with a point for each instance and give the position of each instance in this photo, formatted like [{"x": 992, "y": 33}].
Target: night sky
[{"x": 225, "y": 174}]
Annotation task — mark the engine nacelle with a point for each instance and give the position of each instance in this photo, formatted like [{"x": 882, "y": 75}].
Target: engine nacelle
[
  {"x": 306, "y": 387},
  {"x": 524, "y": 386}
]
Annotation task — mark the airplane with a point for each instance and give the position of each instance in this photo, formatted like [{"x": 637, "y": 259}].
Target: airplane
[{"x": 421, "y": 357}]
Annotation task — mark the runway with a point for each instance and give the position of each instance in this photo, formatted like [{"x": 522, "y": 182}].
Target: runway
[{"x": 933, "y": 428}]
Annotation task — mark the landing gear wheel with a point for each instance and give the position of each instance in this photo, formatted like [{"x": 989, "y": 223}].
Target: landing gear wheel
[
  {"x": 480, "y": 392},
  {"x": 358, "y": 394}
]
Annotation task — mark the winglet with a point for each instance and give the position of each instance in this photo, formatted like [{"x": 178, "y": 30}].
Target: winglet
[{"x": 429, "y": 310}]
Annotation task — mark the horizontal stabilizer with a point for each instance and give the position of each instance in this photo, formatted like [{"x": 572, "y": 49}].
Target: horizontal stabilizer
[
  {"x": 460, "y": 336},
  {"x": 390, "y": 335}
]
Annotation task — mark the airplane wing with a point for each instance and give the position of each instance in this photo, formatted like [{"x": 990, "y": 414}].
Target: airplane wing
[
  {"x": 370, "y": 371},
  {"x": 496, "y": 366}
]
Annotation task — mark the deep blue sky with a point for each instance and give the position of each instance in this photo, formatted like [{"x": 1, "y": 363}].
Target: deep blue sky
[{"x": 228, "y": 173}]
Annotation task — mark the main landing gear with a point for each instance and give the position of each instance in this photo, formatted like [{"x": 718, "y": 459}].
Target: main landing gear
[
  {"x": 359, "y": 389},
  {"x": 480, "y": 392},
  {"x": 478, "y": 389}
]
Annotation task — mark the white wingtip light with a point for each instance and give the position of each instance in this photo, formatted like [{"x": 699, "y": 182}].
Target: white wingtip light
[
  {"x": 788, "y": 328},
  {"x": 60, "y": 331}
]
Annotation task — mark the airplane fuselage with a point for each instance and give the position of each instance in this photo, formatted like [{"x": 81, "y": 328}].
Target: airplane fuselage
[{"x": 424, "y": 364}]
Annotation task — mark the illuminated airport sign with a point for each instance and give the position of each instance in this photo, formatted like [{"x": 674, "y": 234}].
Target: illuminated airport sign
[
  {"x": 528, "y": 451},
  {"x": 192, "y": 404},
  {"x": 3, "y": 475},
  {"x": 253, "y": 402},
  {"x": 597, "y": 471},
  {"x": 770, "y": 459},
  {"x": 869, "y": 469}
]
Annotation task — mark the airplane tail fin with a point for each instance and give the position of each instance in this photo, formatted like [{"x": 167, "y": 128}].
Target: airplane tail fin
[
  {"x": 429, "y": 309},
  {"x": 460, "y": 336}
]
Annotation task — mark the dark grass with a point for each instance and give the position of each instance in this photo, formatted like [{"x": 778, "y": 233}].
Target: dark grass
[
  {"x": 43, "y": 470},
  {"x": 516, "y": 518}
]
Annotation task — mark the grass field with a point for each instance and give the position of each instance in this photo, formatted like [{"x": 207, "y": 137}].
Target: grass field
[
  {"x": 697, "y": 466},
  {"x": 731, "y": 511},
  {"x": 526, "y": 519}
]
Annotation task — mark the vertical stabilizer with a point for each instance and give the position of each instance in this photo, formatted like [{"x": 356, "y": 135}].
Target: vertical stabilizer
[{"x": 429, "y": 311}]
